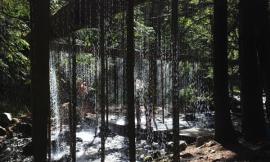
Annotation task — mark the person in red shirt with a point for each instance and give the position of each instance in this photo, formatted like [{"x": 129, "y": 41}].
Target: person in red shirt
[{"x": 83, "y": 91}]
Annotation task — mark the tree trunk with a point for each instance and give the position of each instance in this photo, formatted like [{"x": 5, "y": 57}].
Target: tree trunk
[
  {"x": 40, "y": 90},
  {"x": 102, "y": 77},
  {"x": 107, "y": 92},
  {"x": 253, "y": 123},
  {"x": 130, "y": 80},
  {"x": 263, "y": 45},
  {"x": 115, "y": 75},
  {"x": 175, "y": 80},
  {"x": 224, "y": 132},
  {"x": 74, "y": 104}
]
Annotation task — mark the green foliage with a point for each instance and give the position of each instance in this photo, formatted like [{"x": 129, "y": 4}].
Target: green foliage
[
  {"x": 17, "y": 67},
  {"x": 14, "y": 53},
  {"x": 85, "y": 59},
  {"x": 14, "y": 23}
]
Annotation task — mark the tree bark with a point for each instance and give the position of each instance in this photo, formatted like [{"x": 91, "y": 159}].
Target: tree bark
[
  {"x": 175, "y": 80},
  {"x": 224, "y": 132},
  {"x": 263, "y": 45},
  {"x": 102, "y": 77},
  {"x": 130, "y": 80},
  {"x": 74, "y": 104},
  {"x": 253, "y": 123},
  {"x": 40, "y": 90}
]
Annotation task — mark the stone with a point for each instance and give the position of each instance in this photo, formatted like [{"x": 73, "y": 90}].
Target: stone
[
  {"x": 156, "y": 154},
  {"x": 183, "y": 145},
  {"x": 201, "y": 140},
  {"x": 15, "y": 121},
  {"x": 148, "y": 159},
  {"x": 3, "y": 131},
  {"x": 147, "y": 147},
  {"x": 141, "y": 156},
  {"x": 5, "y": 119},
  {"x": 64, "y": 158},
  {"x": 169, "y": 146},
  {"x": 24, "y": 128},
  {"x": 212, "y": 151},
  {"x": 9, "y": 132},
  {"x": 211, "y": 143},
  {"x": 78, "y": 139},
  {"x": 155, "y": 145},
  {"x": 28, "y": 149},
  {"x": 3, "y": 146},
  {"x": 189, "y": 117},
  {"x": 186, "y": 155},
  {"x": 26, "y": 118}
]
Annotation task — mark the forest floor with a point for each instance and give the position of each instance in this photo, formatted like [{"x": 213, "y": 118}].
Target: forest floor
[
  {"x": 212, "y": 151},
  {"x": 16, "y": 146}
]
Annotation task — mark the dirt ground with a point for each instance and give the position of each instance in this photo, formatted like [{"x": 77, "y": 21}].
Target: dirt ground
[{"x": 212, "y": 151}]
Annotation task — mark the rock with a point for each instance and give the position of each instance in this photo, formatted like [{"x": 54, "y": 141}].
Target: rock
[
  {"x": 141, "y": 156},
  {"x": 3, "y": 131},
  {"x": 155, "y": 145},
  {"x": 147, "y": 147},
  {"x": 9, "y": 132},
  {"x": 186, "y": 155},
  {"x": 5, "y": 119},
  {"x": 28, "y": 149},
  {"x": 78, "y": 139},
  {"x": 219, "y": 159},
  {"x": 212, "y": 151},
  {"x": 26, "y": 118},
  {"x": 169, "y": 146},
  {"x": 201, "y": 140},
  {"x": 64, "y": 158},
  {"x": 211, "y": 143},
  {"x": 156, "y": 155},
  {"x": 3, "y": 146},
  {"x": 15, "y": 121},
  {"x": 24, "y": 128},
  {"x": 54, "y": 145},
  {"x": 189, "y": 117},
  {"x": 183, "y": 145},
  {"x": 148, "y": 159}
]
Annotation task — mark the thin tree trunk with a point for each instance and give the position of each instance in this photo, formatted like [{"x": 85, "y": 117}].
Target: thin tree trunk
[
  {"x": 102, "y": 78},
  {"x": 175, "y": 81},
  {"x": 107, "y": 92},
  {"x": 40, "y": 90},
  {"x": 74, "y": 104},
  {"x": 115, "y": 81},
  {"x": 130, "y": 80}
]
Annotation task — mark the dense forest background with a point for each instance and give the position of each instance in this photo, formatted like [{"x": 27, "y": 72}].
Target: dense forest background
[
  {"x": 196, "y": 21},
  {"x": 204, "y": 63}
]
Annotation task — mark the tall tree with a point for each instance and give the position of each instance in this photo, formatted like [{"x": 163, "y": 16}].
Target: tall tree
[
  {"x": 175, "y": 80},
  {"x": 153, "y": 51},
  {"x": 224, "y": 132},
  {"x": 73, "y": 112},
  {"x": 130, "y": 80},
  {"x": 40, "y": 77},
  {"x": 102, "y": 76},
  {"x": 263, "y": 45},
  {"x": 253, "y": 123}
]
